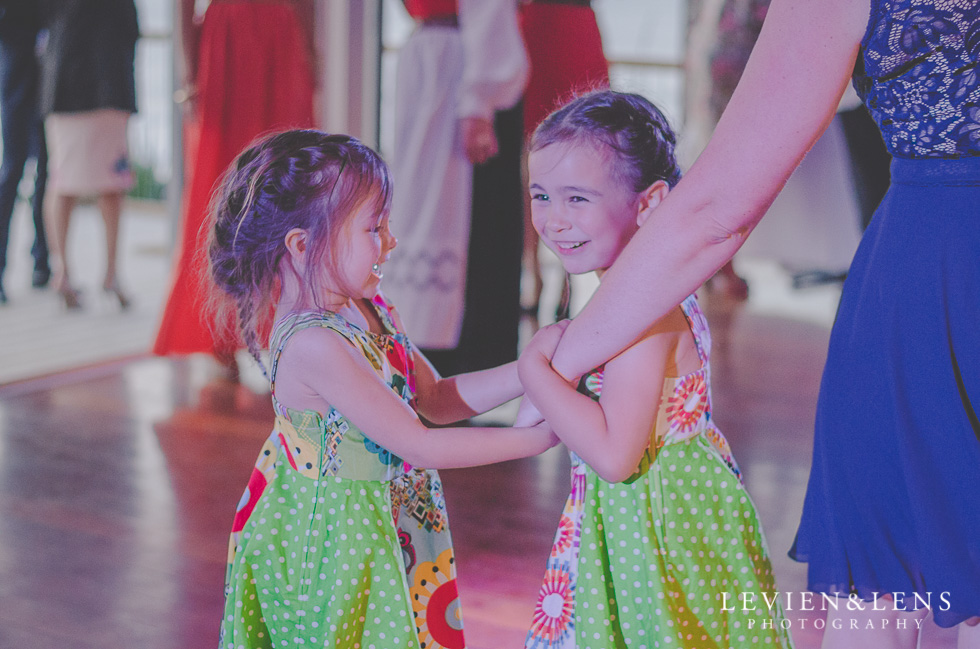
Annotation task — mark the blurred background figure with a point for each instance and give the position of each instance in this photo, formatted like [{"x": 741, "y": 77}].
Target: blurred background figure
[
  {"x": 88, "y": 91},
  {"x": 248, "y": 70},
  {"x": 739, "y": 24},
  {"x": 459, "y": 79},
  {"x": 565, "y": 50},
  {"x": 21, "y": 128},
  {"x": 830, "y": 198}
]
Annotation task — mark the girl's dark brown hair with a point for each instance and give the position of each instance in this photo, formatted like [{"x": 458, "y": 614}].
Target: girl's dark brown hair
[
  {"x": 629, "y": 125},
  {"x": 295, "y": 179}
]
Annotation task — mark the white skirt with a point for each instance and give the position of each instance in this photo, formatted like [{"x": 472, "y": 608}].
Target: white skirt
[{"x": 430, "y": 213}]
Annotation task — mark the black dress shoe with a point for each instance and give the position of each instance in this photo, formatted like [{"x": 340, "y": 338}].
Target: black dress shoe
[{"x": 40, "y": 277}]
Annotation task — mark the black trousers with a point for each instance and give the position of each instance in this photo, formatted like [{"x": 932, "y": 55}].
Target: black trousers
[
  {"x": 23, "y": 136},
  {"x": 493, "y": 272}
]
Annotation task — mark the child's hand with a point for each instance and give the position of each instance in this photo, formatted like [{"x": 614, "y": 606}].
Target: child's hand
[
  {"x": 550, "y": 439},
  {"x": 541, "y": 348},
  {"x": 545, "y": 342},
  {"x": 528, "y": 415}
]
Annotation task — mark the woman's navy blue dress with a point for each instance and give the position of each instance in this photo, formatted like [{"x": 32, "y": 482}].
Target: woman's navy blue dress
[{"x": 893, "y": 501}]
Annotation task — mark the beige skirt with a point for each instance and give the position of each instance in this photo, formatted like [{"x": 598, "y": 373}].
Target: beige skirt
[{"x": 88, "y": 153}]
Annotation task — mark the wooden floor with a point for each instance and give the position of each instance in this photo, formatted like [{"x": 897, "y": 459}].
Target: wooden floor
[{"x": 118, "y": 484}]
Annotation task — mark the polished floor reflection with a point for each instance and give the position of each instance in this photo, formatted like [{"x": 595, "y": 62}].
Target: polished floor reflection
[{"x": 118, "y": 484}]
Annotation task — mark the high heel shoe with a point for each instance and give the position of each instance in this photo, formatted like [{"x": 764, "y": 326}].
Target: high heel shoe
[
  {"x": 70, "y": 298},
  {"x": 113, "y": 290}
]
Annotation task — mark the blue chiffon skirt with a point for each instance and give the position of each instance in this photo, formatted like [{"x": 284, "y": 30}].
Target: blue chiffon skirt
[{"x": 893, "y": 501}]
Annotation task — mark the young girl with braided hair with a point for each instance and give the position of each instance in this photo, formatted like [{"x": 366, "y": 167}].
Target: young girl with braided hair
[
  {"x": 339, "y": 540},
  {"x": 659, "y": 544}
]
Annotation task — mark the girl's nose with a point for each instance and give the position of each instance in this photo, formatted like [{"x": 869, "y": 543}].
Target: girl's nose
[{"x": 557, "y": 222}]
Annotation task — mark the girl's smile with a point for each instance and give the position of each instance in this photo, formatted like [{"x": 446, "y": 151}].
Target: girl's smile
[{"x": 370, "y": 242}]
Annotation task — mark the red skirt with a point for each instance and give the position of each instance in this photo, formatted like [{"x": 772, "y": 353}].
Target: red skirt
[
  {"x": 565, "y": 51},
  {"x": 254, "y": 77}
]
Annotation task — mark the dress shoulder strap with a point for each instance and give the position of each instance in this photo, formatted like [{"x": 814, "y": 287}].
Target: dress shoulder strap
[
  {"x": 285, "y": 328},
  {"x": 386, "y": 312},
  {"x": 698, "y": 323}
]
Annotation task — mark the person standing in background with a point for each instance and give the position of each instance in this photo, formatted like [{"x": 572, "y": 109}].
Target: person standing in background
[
  {"x": 464, "y": 62},
  {"x": 22, "y": 130},
  {"x": 248, "y": 70},
  {"x": 88, "y": 91}
]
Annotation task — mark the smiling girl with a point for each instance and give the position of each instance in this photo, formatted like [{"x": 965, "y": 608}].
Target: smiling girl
[
  {"x": 339, "y": 541},
  {"x": 658, "y": 527}
]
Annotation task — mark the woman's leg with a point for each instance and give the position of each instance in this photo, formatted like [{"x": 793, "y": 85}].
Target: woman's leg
[
  {"x": 60, "y": 208},
  {"x": 111, "y": 207}
]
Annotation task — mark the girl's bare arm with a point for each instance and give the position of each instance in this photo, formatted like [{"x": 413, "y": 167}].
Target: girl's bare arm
[
  {"x": 355, "y": 389},
  {"x": 611, "y": 434},
  {"x": 447, "y": 400}
]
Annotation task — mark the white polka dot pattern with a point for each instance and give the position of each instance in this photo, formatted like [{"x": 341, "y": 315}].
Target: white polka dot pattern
[{"x": 658, "y": 560}]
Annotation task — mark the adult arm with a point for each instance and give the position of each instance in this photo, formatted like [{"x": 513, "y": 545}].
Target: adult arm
[
  {"x": 188, "y": 32},
  {"x": 787, "y": 96},
  {"x": 306, "y": 12}
]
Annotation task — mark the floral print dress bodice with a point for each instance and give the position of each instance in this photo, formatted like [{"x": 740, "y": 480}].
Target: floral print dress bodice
[
  {"x": 633, "y": 563},
  {"x": 685, "y": 401},
  {"x": 329, "y": 445},
  {"x": 362, "y": 544},
  {"x": 917, "y": 73}
]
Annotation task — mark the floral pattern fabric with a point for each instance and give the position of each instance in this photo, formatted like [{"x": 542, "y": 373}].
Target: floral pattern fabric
[
  {"x": 918, "y": 75},
  {"x": 648, "y": 562},
  {"x": 337, "y": 541}
]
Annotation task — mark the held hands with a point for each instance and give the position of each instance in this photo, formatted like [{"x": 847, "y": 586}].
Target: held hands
[
  {"x": 544, "y": 343},
  {"x": 528, "y": 414},
  {"x": 547, "y": 436},
  {"x": 535, "y": 359},
  {"x": 479, "y": 139}
]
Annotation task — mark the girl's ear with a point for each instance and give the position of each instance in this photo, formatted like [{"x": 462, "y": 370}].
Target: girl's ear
[
  {"x": 296, "y": 240},
  {"x": 650, "y": 198}
]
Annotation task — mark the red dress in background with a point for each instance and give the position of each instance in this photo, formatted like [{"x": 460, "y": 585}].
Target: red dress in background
[
  {"x": 565, "y": 50},
  {"x": 254, "y": 77}
]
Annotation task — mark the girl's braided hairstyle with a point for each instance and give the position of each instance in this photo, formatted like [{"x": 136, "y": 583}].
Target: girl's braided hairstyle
[
  {"x": 295, "y": 179},
  {"x": 629, "y": 125}
]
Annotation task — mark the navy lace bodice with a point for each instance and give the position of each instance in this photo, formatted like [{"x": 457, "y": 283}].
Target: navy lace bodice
[{"x": 918, "y": 74}]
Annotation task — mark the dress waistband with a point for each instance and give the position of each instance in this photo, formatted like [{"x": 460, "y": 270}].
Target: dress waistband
[
  {"x": 936, "y": 171},
  {"x": 577, "y": 3},
  {"x": 450, "y": 20},
  {"x": 286, "y": 3}
]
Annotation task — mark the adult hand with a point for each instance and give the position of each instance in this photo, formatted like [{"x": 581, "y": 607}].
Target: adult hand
[
  {"x": 186, "y": 98},
  {"x": 479, "y": 139}
]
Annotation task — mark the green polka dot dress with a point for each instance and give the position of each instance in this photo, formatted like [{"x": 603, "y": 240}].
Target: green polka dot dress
[
  {"x": 648, "y": 562},
  {"x": 337, "y": 542}
]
